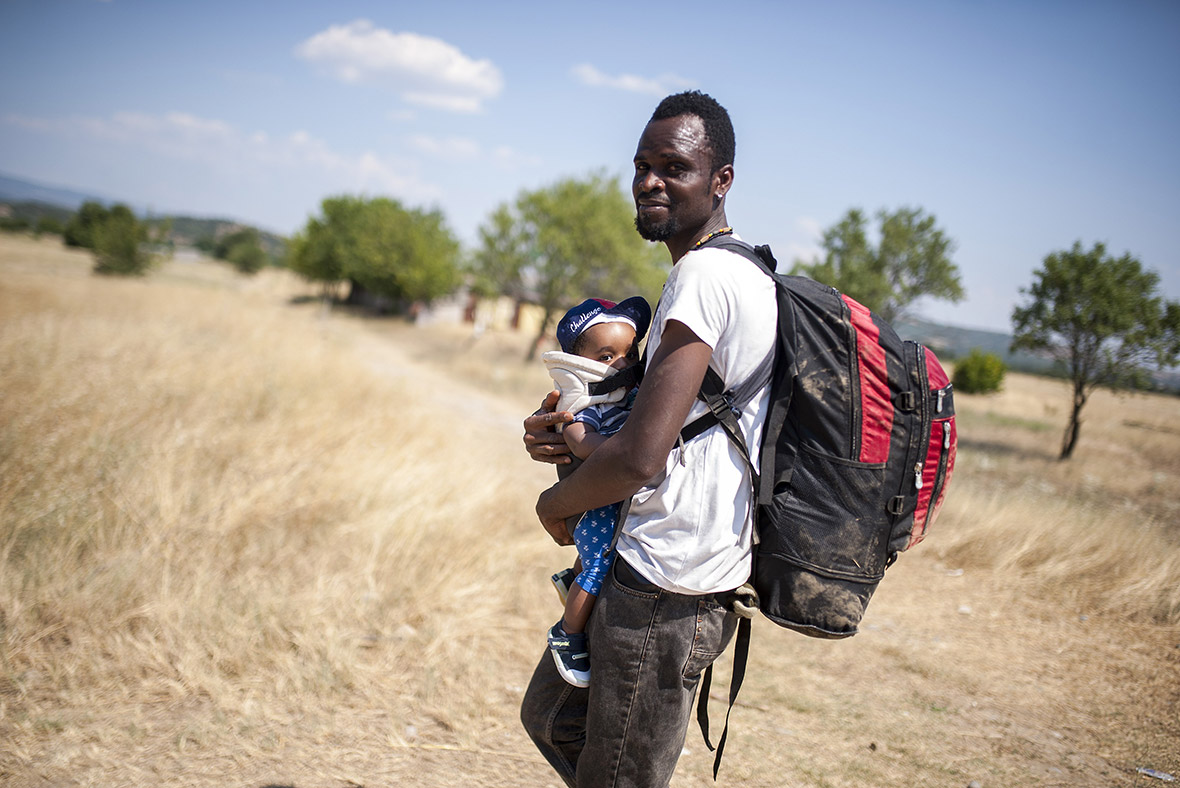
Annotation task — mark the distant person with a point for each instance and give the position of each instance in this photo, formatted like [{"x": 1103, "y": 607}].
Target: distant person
[
  {"x": 608, "y": 334},
  {"x": 664, "y": 614}
]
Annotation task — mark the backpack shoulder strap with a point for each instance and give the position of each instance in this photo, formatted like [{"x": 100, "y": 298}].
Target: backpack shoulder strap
[
  {"x": 776, "y": 467},
  {"x": 726, "y": 405},
  {"x": 760, "y": 256}
]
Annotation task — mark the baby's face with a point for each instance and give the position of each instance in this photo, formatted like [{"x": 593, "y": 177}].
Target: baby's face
[{"x": 610, "y": 343}]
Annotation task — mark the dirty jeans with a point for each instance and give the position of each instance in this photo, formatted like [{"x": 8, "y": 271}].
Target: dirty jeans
[{"x": 648, "y": 648}]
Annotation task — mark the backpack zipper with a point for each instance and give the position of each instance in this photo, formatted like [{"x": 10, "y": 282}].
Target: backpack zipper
[
  {"x": 940, "y": 477},
  {"x": 925, "y": 418},
  {"x": 856, "y": 423}
]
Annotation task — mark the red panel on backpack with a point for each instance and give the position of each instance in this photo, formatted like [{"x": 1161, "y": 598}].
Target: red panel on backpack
[{"x": 876, "y": 407}]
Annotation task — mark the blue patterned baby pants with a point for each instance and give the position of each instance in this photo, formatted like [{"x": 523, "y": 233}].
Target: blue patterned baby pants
[{"x": 593, "y": 535}]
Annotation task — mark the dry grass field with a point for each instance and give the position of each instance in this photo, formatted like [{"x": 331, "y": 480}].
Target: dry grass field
[{"x": 245, "y": 541}]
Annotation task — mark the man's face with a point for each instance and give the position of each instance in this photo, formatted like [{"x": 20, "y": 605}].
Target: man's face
[{"x": 673, "y": 183}]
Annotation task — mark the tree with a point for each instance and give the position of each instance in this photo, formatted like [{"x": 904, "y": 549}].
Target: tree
[
  {"x": 80, "y": 229},
  {"x": 242, "y": 249},
  {"x": 1103, "y": 317},
  {"x": 318, "y": 252},
  {"x": 564, "y": 243},
  {"x": 405, "y": 254},
  {"x": 911, "y": 260},
  {"x": 48, "y": 224},
  {"x": 14, "y": 224},
  {"x": 119, "y": 244},
  {"x": 979, "y": 373},
  {"x": 380, "y": 247}
]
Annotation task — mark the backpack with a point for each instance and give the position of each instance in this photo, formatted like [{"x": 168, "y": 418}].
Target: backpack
[{"x": 857, "y": 450}]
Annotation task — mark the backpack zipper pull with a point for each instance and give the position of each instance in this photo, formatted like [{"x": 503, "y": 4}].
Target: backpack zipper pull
[
  {"x": 938, "y": 406},
  {"x": 918, "y": 476}
]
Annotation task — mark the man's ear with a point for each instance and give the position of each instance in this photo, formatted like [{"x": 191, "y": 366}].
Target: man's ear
[{"x": 722, "y": 180}]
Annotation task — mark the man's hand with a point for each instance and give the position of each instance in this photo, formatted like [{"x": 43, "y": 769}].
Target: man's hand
[
  {"x": 554, "y": 525},
  {"x": 543, "y": 443}
]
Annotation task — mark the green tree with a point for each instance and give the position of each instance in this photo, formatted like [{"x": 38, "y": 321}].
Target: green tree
[
  {"x": 318, "y": 252},
  {"x": 1103, "y": 317},
  {"x": 911, "y": 260},
  {"x": 119, "y": 244},
  {"x": 206, "y": 244},
  {"x": 407, "y": 254},
  {"x": 497, "y": 268},
  {"x": 80, "y": 229},
  {"x": 242, "y": 249},
  {"x": 979, "y": 373},
  {"x": 563, "y": 243},
  {"x": 378, "y": 246},
  {"x": 247, "y": 258},
  {"x": 48, "y": 224}
]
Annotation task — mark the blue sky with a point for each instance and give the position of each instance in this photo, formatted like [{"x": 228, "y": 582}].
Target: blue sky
[{"x": 1022, "y": 126}]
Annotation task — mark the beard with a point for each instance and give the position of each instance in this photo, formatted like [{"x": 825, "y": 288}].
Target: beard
[{"x": 656, "y": 231}]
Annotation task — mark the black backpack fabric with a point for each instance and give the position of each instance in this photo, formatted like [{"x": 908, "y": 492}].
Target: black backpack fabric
[{"x": 857, "y": 450}]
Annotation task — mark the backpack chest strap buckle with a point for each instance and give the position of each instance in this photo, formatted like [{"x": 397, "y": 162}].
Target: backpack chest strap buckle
[{"x": 722, "y": 406}]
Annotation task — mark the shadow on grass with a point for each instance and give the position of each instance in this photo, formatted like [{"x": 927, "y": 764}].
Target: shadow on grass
[
  {"x": 374, "y": 309},
  {"x": 998, "y": 449}
]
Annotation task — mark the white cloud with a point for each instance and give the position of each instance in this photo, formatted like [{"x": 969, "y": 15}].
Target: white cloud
[
  {"x": 657, "y": 86},
  {"x": 810, "y": 226},
  {"x": 401, "y": 115},
  {"x": 450, "y": 147},
  {"x": 501, "y": 156},
  {"x": 423, "y": 70},
  {"x": 508, "y": 159},
  {"x": 27, "y": 123},
  {"x": 809, "y": 248},
  {"x": 228, "y": 156},
  {"x": 464, "y": 104}
]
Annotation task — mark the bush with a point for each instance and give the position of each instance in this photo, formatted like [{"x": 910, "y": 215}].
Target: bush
[
  {"x": 243, "y": 250},
  {"x": 979, "y": 373},
  {"x": 50, "y": 225},
  {"x": 81, "y": 227},
  {"x": 248, "y": 258},
  {"x": 119, "y": 244},
  {"x": 13, "y": 224}
]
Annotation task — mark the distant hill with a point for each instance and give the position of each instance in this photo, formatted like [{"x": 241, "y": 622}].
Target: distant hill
[
  {"x": 32, "y": 211},
  {"x": 29, "y": 200},
  {"x": 14, "y": 190},
  {"x": 954, "y": 342},
  {"x": 197, "y": 232},
  {"x": 950, "y": 342}
]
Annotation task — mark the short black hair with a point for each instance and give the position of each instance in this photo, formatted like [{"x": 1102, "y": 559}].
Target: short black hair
[
  {"x": 718, "y": 128},
  {"x": 579, "y": 344}
]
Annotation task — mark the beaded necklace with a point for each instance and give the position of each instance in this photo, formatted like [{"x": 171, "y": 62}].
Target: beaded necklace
[{"x": 712, "y": 235}]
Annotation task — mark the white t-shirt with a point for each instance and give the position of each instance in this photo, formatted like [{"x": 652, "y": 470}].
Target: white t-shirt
[{"x": 692, "y": 531}]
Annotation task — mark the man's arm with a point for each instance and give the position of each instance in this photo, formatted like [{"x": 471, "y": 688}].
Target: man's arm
[{"x": 640, "y": 449}]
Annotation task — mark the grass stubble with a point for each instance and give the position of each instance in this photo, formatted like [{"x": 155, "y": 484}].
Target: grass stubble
[{"x": 244, "y": 540}]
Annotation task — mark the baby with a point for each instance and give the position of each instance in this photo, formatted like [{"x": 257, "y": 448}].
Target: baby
[{"x": 608, "y": 334}]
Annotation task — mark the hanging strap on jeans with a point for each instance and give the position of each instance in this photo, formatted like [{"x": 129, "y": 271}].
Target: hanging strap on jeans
[{"x": 741, "y": 653}]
